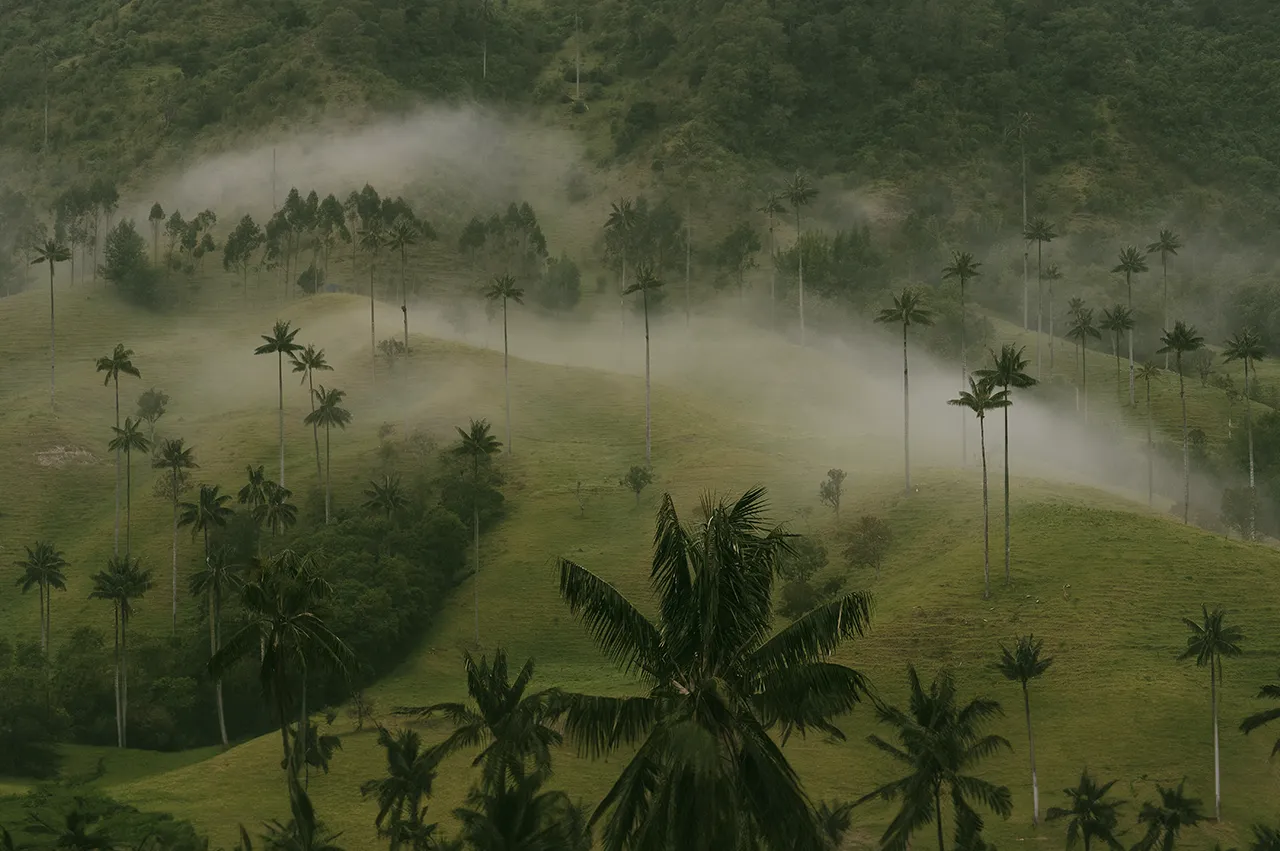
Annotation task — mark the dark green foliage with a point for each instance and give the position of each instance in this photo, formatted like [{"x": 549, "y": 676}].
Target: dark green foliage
[
  {"x": 71, "y": 816},
  {"x": 637, "y": 479},
  {"x": 736, "y": 253},
  {"x": 127, "y": 267},
  {"x": 560, "y": 287},
  {"x": 1238, "y": 505},
  {"x": 802, "y": 591},
  {"x": 869, "y": 542},
  {"x": 28, "y": 727},
  {"x": 845, "y": 267}
]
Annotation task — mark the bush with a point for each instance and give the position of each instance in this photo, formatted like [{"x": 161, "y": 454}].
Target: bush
[
  {"x": 28, "y": 729},
  {"x": 561, "y": 287},
  {"x": 126, "y": 266}
]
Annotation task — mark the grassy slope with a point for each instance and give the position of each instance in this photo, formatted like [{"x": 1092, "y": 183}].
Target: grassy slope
[{"x": 1115, "y": 698}]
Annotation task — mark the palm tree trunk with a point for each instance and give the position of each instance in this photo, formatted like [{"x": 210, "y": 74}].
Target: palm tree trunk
[
  {"x": 1051, "y": 326},
  {"x": 280, "y": 686},
  {"x": 1031, "y": 743},
  {"x": 53, "y": 345},
  {"x": 48, "y": 618},
  {"x": 315, "y": 428},
  {"x": 280, "y": 417},
  {"x": 688, "y": 259},
  {"x": 1248, "y": 424},
  {"x": 906, "y": 413},
  {"x": 622, "y": 299},
  {"x": 1022, "y": 151},
  {"x": 986, "y": 513},
  {"x": 373, "y": 334},
  {"x": 1006, "y": 492},
  {"x": 304, "y": 730},
  {"x": 328, "y": 476},
  {"x": 506, "y": 373},
  {"x": 648, "y": 443},
  {"x": 1217, "y": 771},
  {"x": 475, "y": 584},
  {"x": 773, "y": 273},
  {"x": 1129, "y": 289},
  {"x": 124, "y": 678},
  {"x": 128, "y": 498},
  {"x": 1084, "y": 378},
  {"x": 44, "y": 623},
  {"x": 800, "y": 271},
  {"x": 116, "y": 545},
  {"x": 1164, "y": 285},
  {"x": 1150, "y": 459},
  {"x": 1115, "y": 353},
  {"x": 1039, "y": 303},
  {"x": 404, "y": 299},
  {"x": 964, "y": 382},
  {"x": 1186, "y": 453},
  {"x": 937, "y": 812},
  {"x": 119, "y": 721}
]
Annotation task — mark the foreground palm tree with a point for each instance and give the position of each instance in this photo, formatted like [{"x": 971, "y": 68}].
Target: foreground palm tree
[
  {"x": 1081, "y": 331},
  {"x": 1132, "y": 262},
  {"x": 1183, "y": 340},
  {"x": 1246, "y": 346},
  {"x": 1007, "y": 372},
  {"x": 908, "y": 309},
  {"x": 519, "y": 815},
  {"x": 411, "y": 773},
  {"x": 330, "y": 414},
  {"x": 939, "y": 742},
  {"x": 1146, "y": 372},
  {"x": 119, "y": 361},
  {"x": 962, "y": 268},
  {"x": 1039, "y": 231},
  {"x": 42, "y": 569},
  {"x": 980, "y": 398},
  {"x": 1166, "y": 245},
  {"x": 51, "y": 251},
  {"x": 646, "y": 282},
  {"x": 280, "y": 343},
  {"x": 715, "y": 677},
  {"x": 1165, "y": 820},
  {"x": 175, "y": 457},
  {"x": 1022, "y": 665},
  {"x": 309, "y": 361},
  {"x": 479, "y": 446},
  {"x": 216, "y": 576},
  {"x": 1209, "y": 641},
  {"x": 504, "y": 289},
  {"x": 128, "y": 439},
  {"x": 120, "y": 584},
  {"x": 1093, "y": 817},
  {"x": 800, "y": 193},
  {"x": 208, "y": 513},
  {"x": 1116, "y": 321}
]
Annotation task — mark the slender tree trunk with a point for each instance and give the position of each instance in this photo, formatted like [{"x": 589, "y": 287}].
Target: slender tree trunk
[
  {"x": 906, "y": 413},
  {"x": 1248, "y": 424},
  {"x": 280, "y": 687},
  {"x": 622, "y": 299},
  {"x": 1022, "y": 151},
  {"x": 1115, "y": 353},
  {"x": 304, "y": 730},
  {"x": 800, "y": 270},
  {"x": 964, "y": 379},
  {"x": 280, "y": 417},
  {"x": 773, "y": 274},
  {"x": 1039, "y": 302},
  {"x": 116, "y": 545},
  {"x": 1164, "y": 282},
  {"x": 648, "y": 433},
  {"x": 475, "y": 585},
  {"x": 128, "y": 499},
  {"x": 174, "y": 571},
  {"x": 1129, "y": 288},
  {"x": 1051, "y": 339},
  {"x": 506, "y": 373},
  {"x": 1084, "y": 379},
  {"x": 688, "y": 258},
  {"x": 1031, "y": 746},
  {"x": 937, "y": 811},
  {"x": 48, "y": 618},
  {"x": 373, "y": 334},
  {"x": 1217, "y": 769},
  {"x": 53, "y": 346},
  {"x": 404, "y": 299},
  {"x": 1150, "y": 459},
  {"x": 44, "y": 623},
  {"x": 315, "y": 428},
  {"x": 986, "y": 513},
  {"x": 328, "y": 476},
  {"x": 1186, "y": 452},
  {"x": 1006, "y": 492},
  {"x": 124, "y": 678},
  {"x": 119, "y": 717}
]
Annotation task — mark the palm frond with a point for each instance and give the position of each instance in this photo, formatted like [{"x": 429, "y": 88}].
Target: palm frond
[
  {"x": 816, "y": 634},
  {"x": 599, "y": 724},
  {"x": 625, "y": 636}
]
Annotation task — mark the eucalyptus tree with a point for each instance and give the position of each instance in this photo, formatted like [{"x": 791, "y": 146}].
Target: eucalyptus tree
[
  {"x": 51, "y": 251},
  {"x": 1007, "y": 371},
  {"x": 716, "y": 677},
  {"x": 502, "y": 290},
  {"x": 1166, "y": 245},
  {"x": 126, "y": 440},
  {"x": 280, "y": 343},
  {"x": 309, "y": 361},
  {"x": 328, "y": 414},
  {"x": 981, "y": 397},
  {"x": 123, "y": 582},
  {"x": 1132, "y": 262},
  {"x": 1081, "y": 331},
  {"x": 962, "y": 269},
  {"x": 119, "y": 361},
  {"x": 1246, "y": 346},
  {"x": 645, "y": 283},
  {"x": 1183, "y": 340},
  {"x": 478, "y": 446},
  {"x": 908, "y": 309},
  {"x": 43, "y": 569},
  {"x": 1022, "y": 665},
  {"x": 772, "y": 208},
  {"x": 176, "y": 458},
  {"x": 1211, "y": 640},
  {"x": 1039, "y": 231},
  {"x": 216, "y": 576},
  {"x": 208, "y": 513},
  {"x": 1091, "y": 815},
  {"x": 800, "y": 193},
  {"x": 1116, "y": 321},
  {"x": 1166, "y": 819},
  {"x": 1146, "y": 372}
]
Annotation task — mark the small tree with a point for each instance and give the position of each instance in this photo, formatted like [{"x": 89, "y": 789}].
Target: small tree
[
  {"x": 1237, "y": 510},
  {"x": 637, "y": 479},
  {"x": 869, "y": 543},
  {"x": 831, "y": 489},
  {"x": 152, "y": 405}
]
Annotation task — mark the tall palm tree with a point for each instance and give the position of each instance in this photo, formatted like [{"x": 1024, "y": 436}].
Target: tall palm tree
[
  {"x": 411, "y": 773},
  {"x": 175, "y": 457},
  {"x": 402, "y": 236},
  {"x": 800, "y": 193},
  {"x": 646, "y": 282},
  {"x": 478, "y": 445},
  {"x": 1270, "y": 691},
  {"x": 42, "y": 569},
  {"x": 128, "y": 439},
  {"x": 1146, "y": 372},
  {"x": 512, "y": 725},
  {"x": 119, "y": 361},
  {"x": 386, "y": 497},
  {"x": 207, "y": 513},
  {"x": 1166, "y": 245},
  {"x": 1246, "y": 346},
  {"x": 276, "y": 513},
  {"x": 1210, "y": 640},
  {"x": 1116, "y": 321},
  {"x": 982, "y": 396},
  {"x": 772, "y": 208},
  {"x": 962, "y": 268},
  {"x": 1007, "y": 371},
  {"x": 518, "y": 815},
  {"x": 280, "y": 343},
  {"x": 1022, "y": 665},
  {"x": 1093, "y": 816},
  {"x": 717, "y": 679},
  {"x": 51, "y": 251},
  {"x": 218, "y": 574},
  {"x": 1019, "y": 128},
  {"x": 1081, "y": 331},
  {"x": 1039, "y": 231},
  {"x": 330, "y": 414},
  {"x": 908, "y": 309},
  {"x": 309, "y": 361},
  {"x": 1052, "y": 274},
  {"x": 504, "y": 289},
  {"x": 1183, "y": 340},
  {"x": 253, "y": 493},
  {"x": 620, "y": 230},
  {"x": 1132, "y": 262},
  {"x": 939, "y": 742},
  {"x": 1166, "y": 819},
  {"x": 372, "y": 238},
  {"x": 120, "y": 584}
]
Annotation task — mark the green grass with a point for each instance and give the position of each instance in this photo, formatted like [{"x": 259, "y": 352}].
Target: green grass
[{"x": 1115, "y": 699}]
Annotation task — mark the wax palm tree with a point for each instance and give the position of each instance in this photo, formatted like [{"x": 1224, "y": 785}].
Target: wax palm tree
[
  {"x": 1081, "y": 331},
  {"x": 1166, "y": 245},
  {"x": 51, "y": 251},
  {"x": 620, "y": 230},
  {"x": 1210, "y": 640},
  {"x": 330, "y": 414},
  {"x": 123, "y": 582},
  {"x": 512, "y": 726},
  {"x": 1018, "y": 129},
  {"x": 908, "y": 309},
  {"x": 372, "y": 239},
  {"x": 1270, "y": 691},
  {"x": 402, "y": 236},
  {"x": 477, "y": 445},
  {"x": 42, "y": 569},
  {"x": 939, "y": 742},
  {"x": 114, "y": 364},
  {"x": 1092, "y": 816},
  {"x": 1039, "y": 231},
  {"x": 1116, "y": 321},
  {"x": 1053, "y": 274},
  {"x": 1246, "y": 346},
  {"x": 504, "y": 289},
  {"x": 800, "y": 193},
  {"x": 207, "y": 513},
  {"x": 309, "y": 361},
  {"x": 1183, "y": 340},
  {"x": 128, "y": 439},
  {"x": 280, "y": 343},
  {"x": 962, "y": 268},
  {"x": 519, "y": 815},
  {"x": 646, "y": 282},
  {"x": 218, "y": 575},
  {"x": 386, "y": 497},
  {"x": 1075, "y": 304},
  {"x": 276, "y": 513},
  {"x": 1022, "y": 665},
  {"x": 402, "y": 793},
  {"x": 981, "y": 397},
  {"x": 175, "y": 457},
  {"x": 253, "y": 494},
  {"x": 1146, "y": 372},
  {"x": 1007, "y": 371},
  {"x": 772, "y": 208},
  {"x": 717, "y": 679},
  {"x": 1132, "y": 262},
  {"x": 1166, "y": 819}
]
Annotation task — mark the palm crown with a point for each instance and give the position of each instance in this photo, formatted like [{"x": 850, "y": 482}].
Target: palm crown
[
  {"x": 1244, "y": 345},
  {"x": 1039, "y": 230},
  {"x": 476, "y": 442},
  {"x": 799, "y": 191},
  {"x": 504, "y": 288},
  {"x": 329, "y": 412},
  {"x": 385, "y": 497},
  {"x": 116, "y": 364},
  {"x": 1131, "y": 262},
  {"x": 1116, "y": 319},
  {"x": 309, "y": 359},
  {"x": 1165, "y": 820},
  {"x": 962, "y": 267},
  {"x": 279, "y": 341},
  {"x": 1093, "y": 816},
  {"x": 121, "y": 583},
  {"x": 772, "y": 205},
  {"x": 646, "y": 281},
  {"x": 1024, "y": 662},
  {"x": 1211, "y": 639},
  {"x": 129, "y": 438},
  {"x": 42, "y": 566},
  {"x": 207, "y": 513},
  {"x": 1082, "y": 327},
  {"x": 174, "y": 455},
  {"x": 908, "y": 309},
  {"x": 1166, "y": 245},
  {"x": 1007, "y": 369},
  {"x": 411, "y": 772},
  {"x": 1181, "y": 340},
  {"x": 276, "y": 512},
  {"x": 982, "y": 396},
  {"x": 50, "y": 251}
]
